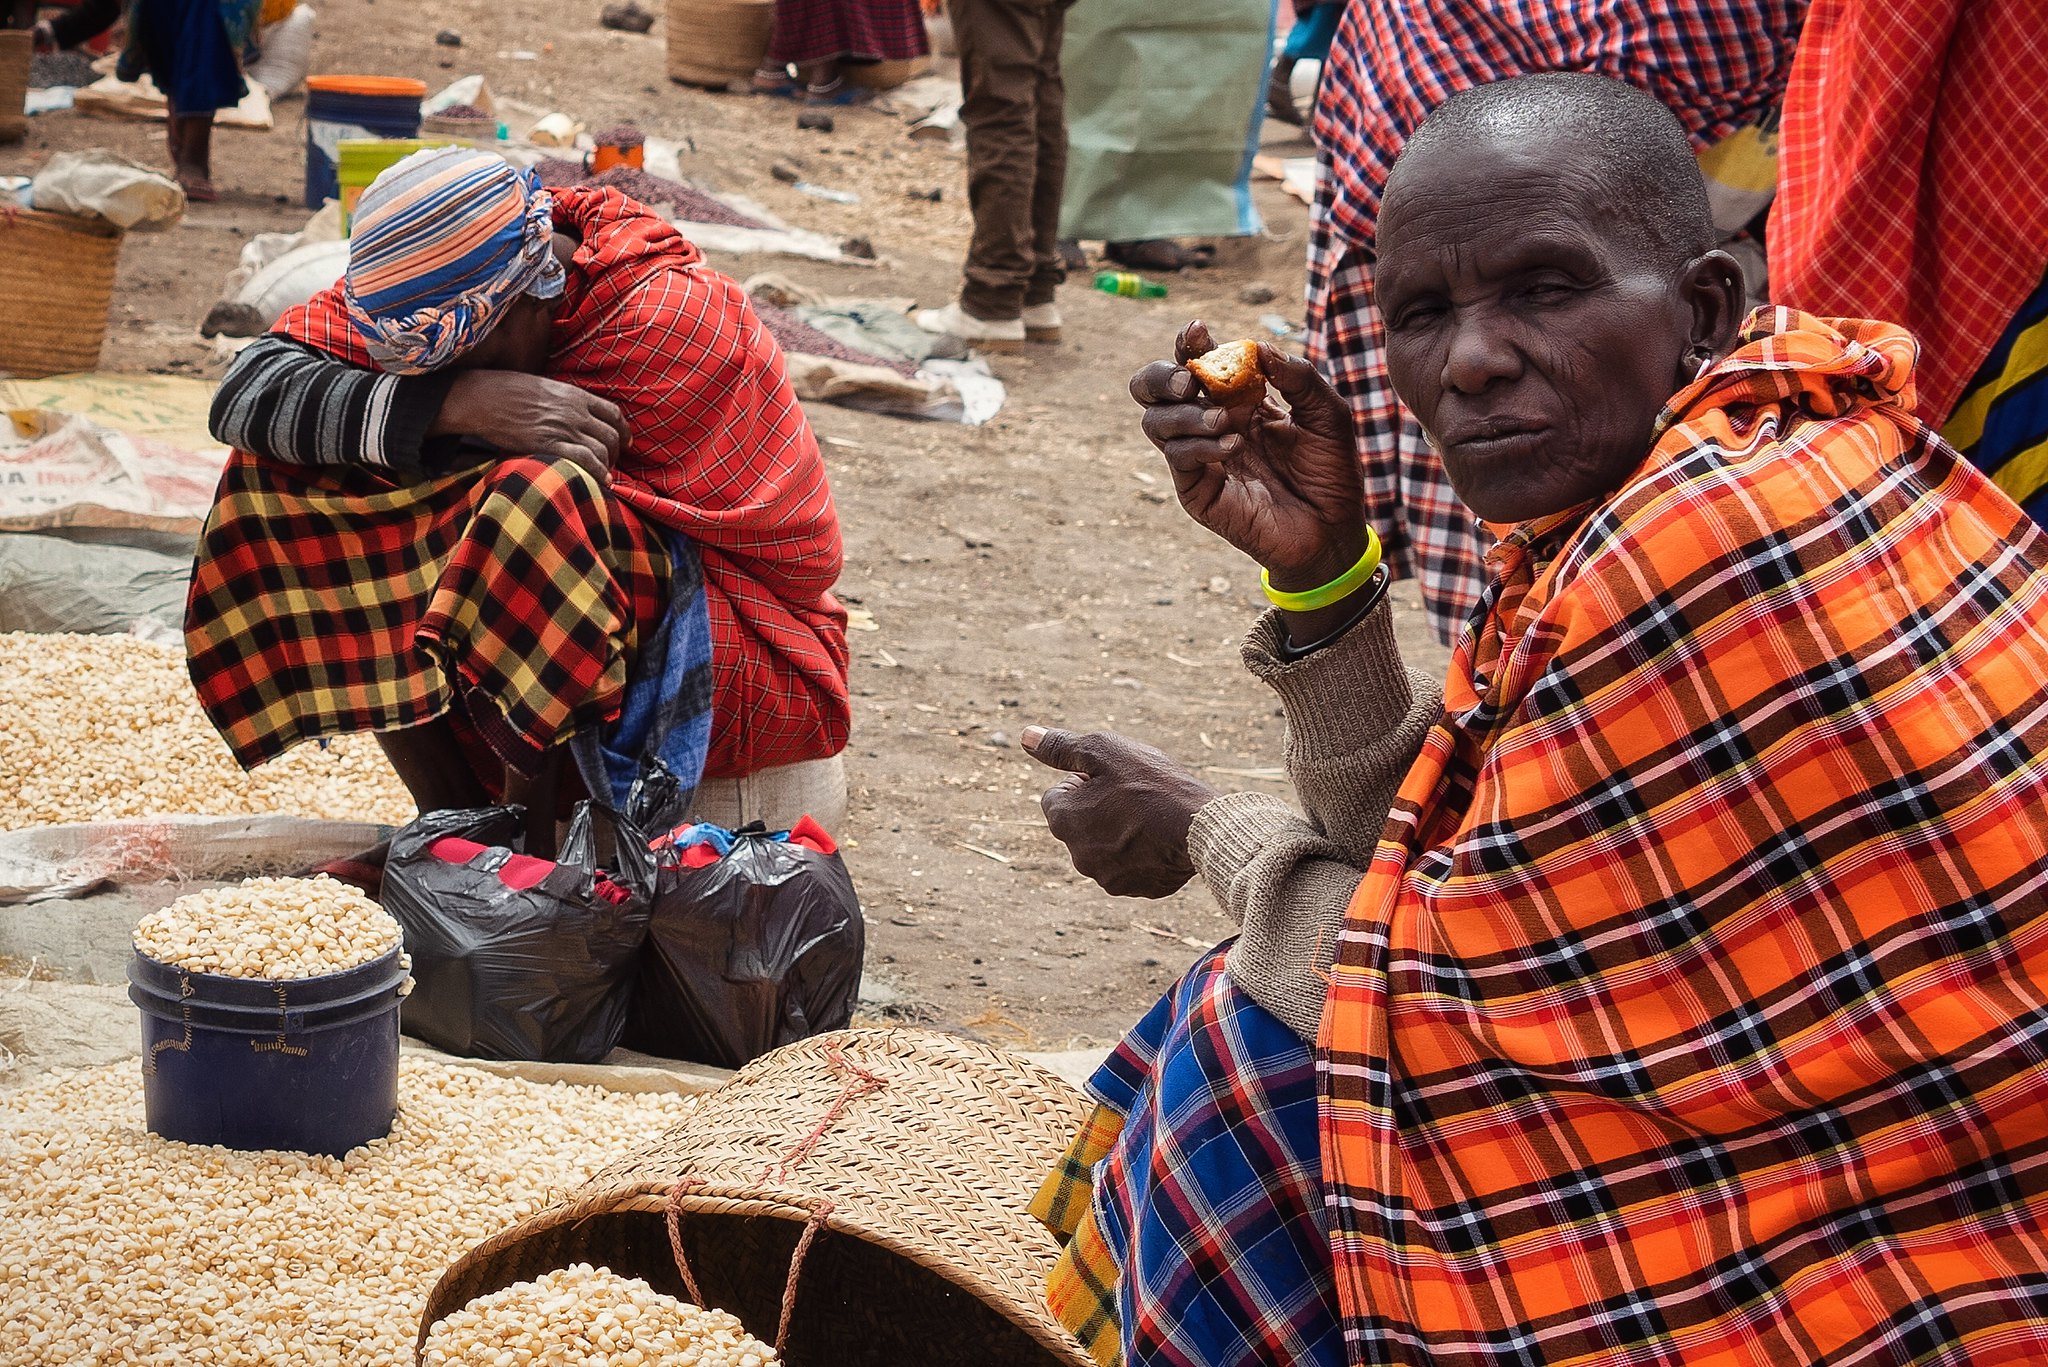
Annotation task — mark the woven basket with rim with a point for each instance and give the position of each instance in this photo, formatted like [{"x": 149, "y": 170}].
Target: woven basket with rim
[
  {"x": 887, "y": 75},
  {"x": 862, "y": 1196},
  {"x": 717, "y": 43},
  {"x": 17, "y": 50},
  {"x": 56, "y": 283}
]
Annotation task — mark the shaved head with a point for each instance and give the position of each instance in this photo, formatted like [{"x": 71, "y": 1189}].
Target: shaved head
[{"x": 1625, "y": 149}]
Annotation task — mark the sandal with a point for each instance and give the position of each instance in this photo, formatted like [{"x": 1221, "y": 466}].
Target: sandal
[
  {"x": 1160, "y": 254},
  {"x": 777, "y": 84},
  {"x": 837, "y": 92}
]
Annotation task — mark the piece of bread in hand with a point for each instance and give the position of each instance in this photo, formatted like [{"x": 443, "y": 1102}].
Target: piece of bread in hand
[{"x": 1232, "y": 373}]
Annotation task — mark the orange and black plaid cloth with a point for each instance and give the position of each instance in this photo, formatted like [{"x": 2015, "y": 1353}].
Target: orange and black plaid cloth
[
  {"x": 334, "y": 600},
  {"x": 1694, "y": 1008},
  {"x": 1913, "y": 174},
  {"x": 320, "y": 602}
]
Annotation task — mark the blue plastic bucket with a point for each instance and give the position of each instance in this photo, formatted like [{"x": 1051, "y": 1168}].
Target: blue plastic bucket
[
  {"x": 309, "y": 1064},
  {"x": 339, "y": 107}
]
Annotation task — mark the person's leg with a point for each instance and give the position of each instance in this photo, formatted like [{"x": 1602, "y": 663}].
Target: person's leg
[
  {"x": 540, "y": 794},
  {"x": 192, "y": 148},
  {"x": 1049, "y": 180},
  {"x": 821, "y": 78},
  {"x": 1001, "y": 49},
  {"x": 174, "y": 138},
  {"x": 432, "y": 765},
  {"x": 1280, "y": 91}
]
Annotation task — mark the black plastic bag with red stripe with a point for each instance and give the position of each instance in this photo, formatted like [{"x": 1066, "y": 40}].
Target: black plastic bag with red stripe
[{"x": 515, "y": 957}]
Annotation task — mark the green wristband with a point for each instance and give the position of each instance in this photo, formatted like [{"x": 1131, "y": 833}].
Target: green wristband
[{"x": 1336, "y": 591}]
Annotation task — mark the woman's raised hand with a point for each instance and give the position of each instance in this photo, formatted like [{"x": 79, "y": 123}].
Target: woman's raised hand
[{"x": 1279, "y": 483}]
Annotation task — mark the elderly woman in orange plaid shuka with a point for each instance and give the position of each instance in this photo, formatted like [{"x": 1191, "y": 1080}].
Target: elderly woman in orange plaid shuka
[{"x": 1674, "y": 990}]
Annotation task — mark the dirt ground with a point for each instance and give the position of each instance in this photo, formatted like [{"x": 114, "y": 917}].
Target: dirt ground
[{"x": 1035, "y": 570}]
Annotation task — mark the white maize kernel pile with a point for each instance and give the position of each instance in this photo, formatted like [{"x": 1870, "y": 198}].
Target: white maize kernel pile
[
  {"x": 584, "y": 1316},
  {"x": 275, "y": 928},
  {"x": 117, "y": 1247},
  {"x": 97, "y": 728}
]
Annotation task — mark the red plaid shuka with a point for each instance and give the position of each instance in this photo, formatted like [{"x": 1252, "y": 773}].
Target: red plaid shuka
[
  {"x": 289, "y": 640},
  {"x": 864, "y": 30},
  {"x": 1694, "y": 1008},
  {"x": 1913, "y": 174},
  {"x": 1719, "y": 64}
]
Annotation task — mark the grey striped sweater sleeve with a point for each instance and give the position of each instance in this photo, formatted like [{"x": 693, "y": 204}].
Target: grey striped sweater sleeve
[{"x": 290, "y": 402}]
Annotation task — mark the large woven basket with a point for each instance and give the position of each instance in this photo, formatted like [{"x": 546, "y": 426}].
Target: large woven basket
[
  {"x": 887, "y": 75},
  {"x": 17, "y": 50},
  {"x": 717, "y": 43},
  {"x": 56, "y": 283},
  {"x": 862, "y": 1196}
]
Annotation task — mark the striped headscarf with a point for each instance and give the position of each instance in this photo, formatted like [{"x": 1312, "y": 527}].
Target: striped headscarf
[{"x": 441, "y": 243}]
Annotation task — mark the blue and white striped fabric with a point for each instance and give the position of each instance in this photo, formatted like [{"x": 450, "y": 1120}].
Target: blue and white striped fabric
[{"x": 442, "y": 242}]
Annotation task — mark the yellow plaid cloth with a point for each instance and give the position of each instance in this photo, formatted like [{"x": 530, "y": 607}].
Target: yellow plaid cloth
[{"x": 1081, "y": 1290}]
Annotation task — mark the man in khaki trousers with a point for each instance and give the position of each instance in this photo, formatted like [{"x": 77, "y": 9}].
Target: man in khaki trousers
[{"x": 1014, "y": 108}]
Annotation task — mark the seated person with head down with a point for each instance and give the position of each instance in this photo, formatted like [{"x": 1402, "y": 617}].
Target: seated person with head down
[
  {"x": 527, "y": 494},
  {"x": 1672, "y": 985}
]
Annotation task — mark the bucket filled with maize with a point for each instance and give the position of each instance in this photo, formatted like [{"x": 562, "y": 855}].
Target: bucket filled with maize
[{"x": 270, "y": 1016}]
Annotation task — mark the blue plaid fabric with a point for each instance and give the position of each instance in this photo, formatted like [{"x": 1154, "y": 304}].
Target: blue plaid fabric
[{"x": 1212, "y": 1199}]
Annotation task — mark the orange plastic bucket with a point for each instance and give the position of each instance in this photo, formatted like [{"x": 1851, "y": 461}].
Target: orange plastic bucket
[
  {"x": 401, "y": 87},
  {"x": 340, "y": 107},
  {"x": 605, "y": 156}
]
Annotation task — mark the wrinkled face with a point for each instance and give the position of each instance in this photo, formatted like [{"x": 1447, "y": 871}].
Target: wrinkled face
[{"x": 1534, "y": 339}]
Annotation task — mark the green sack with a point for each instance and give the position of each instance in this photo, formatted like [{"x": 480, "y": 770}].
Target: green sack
[{"x": 1164, "y": 103}]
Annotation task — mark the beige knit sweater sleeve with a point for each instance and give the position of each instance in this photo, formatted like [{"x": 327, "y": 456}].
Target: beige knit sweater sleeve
[{"x": 1356, "y": 717}]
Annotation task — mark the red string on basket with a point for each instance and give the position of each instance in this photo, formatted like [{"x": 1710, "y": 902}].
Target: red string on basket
[
  {"x": 683, "y": 1187},
  {"x": 819, "y": 1214},
  {"x": 858, "y": 1084}
]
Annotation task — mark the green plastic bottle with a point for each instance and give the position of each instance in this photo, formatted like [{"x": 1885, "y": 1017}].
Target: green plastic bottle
[{"x": 1129, "y": 285}]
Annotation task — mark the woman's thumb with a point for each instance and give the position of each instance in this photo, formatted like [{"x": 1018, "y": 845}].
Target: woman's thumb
[{"x": 1055, "y": 748}]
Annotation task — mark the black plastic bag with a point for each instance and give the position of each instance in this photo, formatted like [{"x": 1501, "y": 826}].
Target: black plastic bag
[
  {"x": 757, "y": 950},
  {"x": 539, "y": 972}
]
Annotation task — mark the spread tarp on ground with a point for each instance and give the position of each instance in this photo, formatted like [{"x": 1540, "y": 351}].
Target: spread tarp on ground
[
  {"x": 120, "y": 458},
  {"x": 1164, "y": 103}
]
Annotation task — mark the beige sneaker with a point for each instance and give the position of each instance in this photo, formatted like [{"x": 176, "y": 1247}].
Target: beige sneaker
[
  {"x": 996, "y": 334},
  {"x": 1041, "y": 322}
]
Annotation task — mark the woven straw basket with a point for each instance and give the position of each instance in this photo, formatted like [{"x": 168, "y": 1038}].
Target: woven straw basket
[
  {"x": 56, "y": 283},
  {"x": 860, "y": 1197},
  {"x": 17, "y": 50},
  {"x": 887, "y": 75},
  {"x": 717, "y": 43}
]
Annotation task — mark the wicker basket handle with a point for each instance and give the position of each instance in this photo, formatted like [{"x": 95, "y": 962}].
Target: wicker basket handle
[{"x": 819, "y": 1214}]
